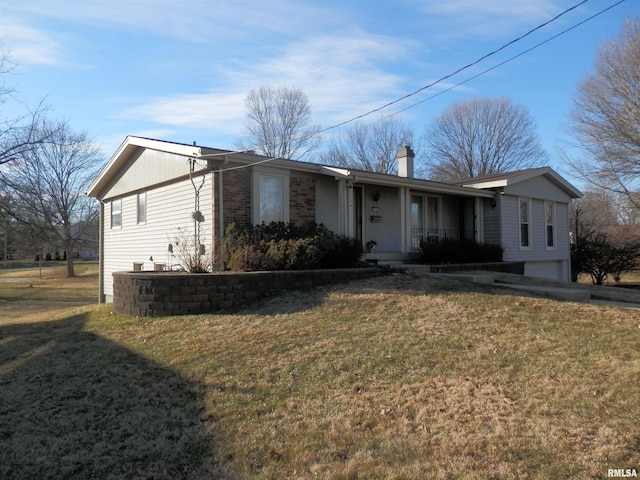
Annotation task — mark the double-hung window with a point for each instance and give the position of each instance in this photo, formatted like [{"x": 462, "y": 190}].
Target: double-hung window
[
  {"x": 116, "y": 213},
  {"x": 525, "y": 222},
  {"x": 270, "y": 199},
  {"x": 550, "y": 222}
]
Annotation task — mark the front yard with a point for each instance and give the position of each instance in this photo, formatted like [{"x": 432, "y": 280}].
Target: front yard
[{"x": 395, "y": 377}]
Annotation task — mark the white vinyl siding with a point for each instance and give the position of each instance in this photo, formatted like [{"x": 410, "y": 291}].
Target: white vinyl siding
[
  {"x": 147, "y": 167},
  {"x": 328, "y": 210},
  {"x": 168, "y": 216},
  {"x": 491, "y": 222},
  {"x": 538, "y": 258}
]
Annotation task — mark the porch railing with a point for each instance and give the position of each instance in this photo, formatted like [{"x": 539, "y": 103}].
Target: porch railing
[{"x": 434, "y": 234}]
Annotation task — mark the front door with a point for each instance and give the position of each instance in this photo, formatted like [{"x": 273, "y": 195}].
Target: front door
[{"x": 467, "y": 219}]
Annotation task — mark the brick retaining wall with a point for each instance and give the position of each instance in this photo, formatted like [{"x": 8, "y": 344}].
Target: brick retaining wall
[{"x": 155, "y": 294}]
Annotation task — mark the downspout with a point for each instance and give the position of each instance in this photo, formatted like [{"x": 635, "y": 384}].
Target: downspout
[
  {"x": 101, "y": 298},
  {"x": 220, "y": 222}
]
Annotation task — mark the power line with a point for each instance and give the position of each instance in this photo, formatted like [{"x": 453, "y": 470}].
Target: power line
[
  {"x": 440, "y": 80},
  {"x": 461, "y": 69},
  {"x": 524, "y": 52}
]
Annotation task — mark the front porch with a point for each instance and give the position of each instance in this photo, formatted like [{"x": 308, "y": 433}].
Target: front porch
[
  {"x": 398, "y": 220},
  {"x": 418, "y": 235}
]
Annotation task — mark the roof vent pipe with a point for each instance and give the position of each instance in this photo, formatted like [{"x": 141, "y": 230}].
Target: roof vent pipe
[{"x": 405, "y": 161}]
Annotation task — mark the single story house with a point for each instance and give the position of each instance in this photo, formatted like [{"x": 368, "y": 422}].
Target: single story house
[{"x": 150, "y": 191}]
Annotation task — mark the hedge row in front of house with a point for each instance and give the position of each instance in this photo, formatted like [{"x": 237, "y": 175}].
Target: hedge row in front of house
[{"x": 287, "y": 246}]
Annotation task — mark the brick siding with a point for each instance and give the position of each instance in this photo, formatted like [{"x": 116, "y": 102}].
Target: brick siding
[
  {"x": 237, "y": 196},
  {"x": 302, "y": 197}
]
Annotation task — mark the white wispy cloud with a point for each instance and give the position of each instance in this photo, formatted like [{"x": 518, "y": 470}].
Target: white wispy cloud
[
  {"x": 28, "y": 44},
  {"x": 189, "y": 20},
  {"x": 220, "y": 111},
  {"x": 341, "y": 74},
  {"x": 473, "y": 18}
]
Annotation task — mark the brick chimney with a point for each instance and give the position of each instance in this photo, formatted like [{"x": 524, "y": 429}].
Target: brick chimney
[{"x": 405, "y": 161}]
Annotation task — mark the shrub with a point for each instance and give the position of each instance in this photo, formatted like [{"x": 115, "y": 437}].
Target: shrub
[
  {"x": 286, "y": 246},
  {"x": 445, "y": 250},
  {"x": 599, "y": 255}
]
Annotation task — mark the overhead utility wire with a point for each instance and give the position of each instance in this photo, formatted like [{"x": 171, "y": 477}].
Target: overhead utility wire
[
  {"x": 524, "y": 52},
  {"x": 439, "y": 81},
  {"x": 446, "y": 77}
]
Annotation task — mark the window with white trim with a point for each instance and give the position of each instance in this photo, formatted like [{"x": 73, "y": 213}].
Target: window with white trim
[
  {"x": 116, "y": 213},
  {"x": 271, "y": 199},
  {"x": 142, "y": 208},
  {"x": 550, "y": 222},
  {"x": 525, "y": 222}
]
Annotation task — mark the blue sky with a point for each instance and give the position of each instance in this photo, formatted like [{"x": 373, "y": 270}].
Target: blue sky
[{"x": 180, "y": 70}]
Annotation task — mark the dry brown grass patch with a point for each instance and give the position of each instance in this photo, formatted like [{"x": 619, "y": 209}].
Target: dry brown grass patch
[{"x": 401, "y": 377}]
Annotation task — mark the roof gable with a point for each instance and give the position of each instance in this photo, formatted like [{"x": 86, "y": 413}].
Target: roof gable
[
  {"x": 505, "y": 180},
  {"x": 141, "y": 162}
]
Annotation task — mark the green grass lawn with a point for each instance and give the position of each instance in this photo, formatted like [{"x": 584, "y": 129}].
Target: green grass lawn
[{"x": 398, "y": 377}]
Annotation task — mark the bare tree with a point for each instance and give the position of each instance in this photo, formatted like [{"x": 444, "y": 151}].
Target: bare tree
[
  {"x": 278, "y": 123},
  {"x": 482, "y": 136},
  {"x": 47, "y": 184},
  {"x": 596, "y": 210},
  {"x": 24, "y": 132},
  {"x": 370, "y": 147},
  {"x": 605, "y": 119},
  {"x": 601, "y": 243}
]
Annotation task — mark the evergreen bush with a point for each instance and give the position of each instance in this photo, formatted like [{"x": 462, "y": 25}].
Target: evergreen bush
[{"x": 287, "y": 246}]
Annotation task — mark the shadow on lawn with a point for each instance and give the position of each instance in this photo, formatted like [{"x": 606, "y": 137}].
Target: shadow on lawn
[{"x": 76, "y": 406}]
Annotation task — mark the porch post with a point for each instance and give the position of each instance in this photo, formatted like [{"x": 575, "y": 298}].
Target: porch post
[
  {"x": 405, "y": 235},
  {"x": 344, "y": 202},
  {"x": 479, "y": 220}
]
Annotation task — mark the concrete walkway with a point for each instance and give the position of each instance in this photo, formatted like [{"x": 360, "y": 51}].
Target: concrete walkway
[{"x": 574, "y": 292}]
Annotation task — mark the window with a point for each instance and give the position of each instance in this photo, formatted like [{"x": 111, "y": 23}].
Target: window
[
  {"x": 417, "y": 221},
  {"x": 550, "y": 221},
  {"x": 116, "y": 213},
  {"x": 142, "y": 208},
  {"x": 269, "y": 195},
  {"x": 525, "y": 230},
  {"x": 271, "y": 199}
]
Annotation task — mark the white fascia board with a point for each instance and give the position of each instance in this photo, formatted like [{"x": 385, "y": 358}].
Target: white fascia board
[
  {"x": 335, "y": 171},
  {"x": 418, "y": 184},
  {"x": 485, "y": 185}
]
